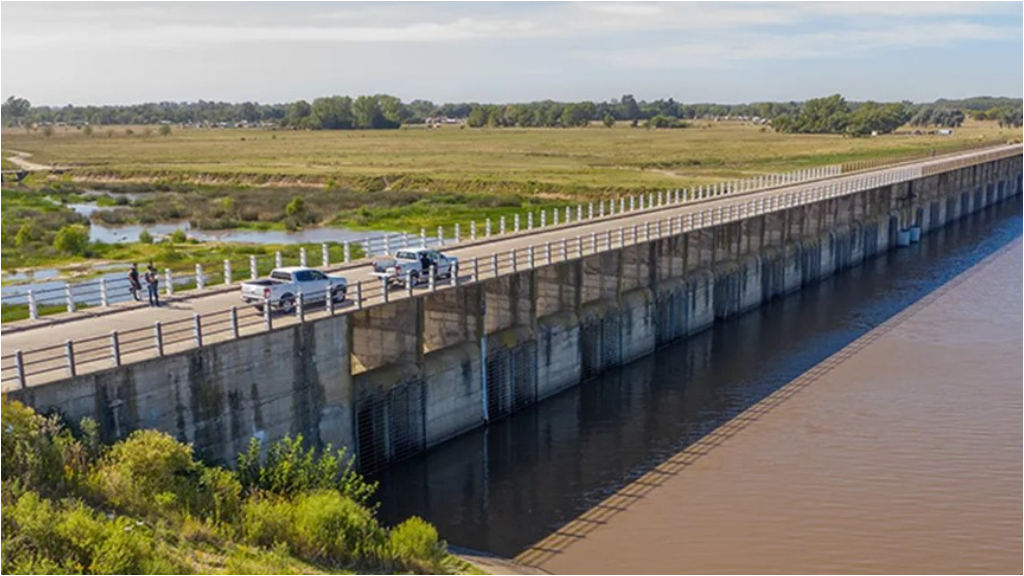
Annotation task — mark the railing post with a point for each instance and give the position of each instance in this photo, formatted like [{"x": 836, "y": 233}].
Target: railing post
[
  {"x": 168, "y": 279},
  {"x": 529, "y": 220},
  {"x": 433, "y": 278},
  {"x": 303, "y": 261},
  {"x": 267, "y": 317},
  {"x": 632, "y": 203},
  {"x": 547, "y": 252},
  {"x": 622, "y": 237},
  {"x": 233, "y": 316},
  {"x": 329, "y": 300},
  {"x": 487, "y": 228},
  {"x": 565, "y": 249},
  {"x": 387, "y": 243},
  {"x": 579, "y": 212},
  {"x": 458, "y": 233},
  {"x": 529, "y": 257},
  {"x": 472, "y": 229},
  {"x": 476, "y": 270},
  {"x": 227, "y": 271},
  {"x": 494, "y": 263},
  {"x": 600, "y": 209},
  {"x": 19, "y": 369},
  {"x": 543, "y": 218},
  {"x": 325, "y": 255},
  {"x": 408, "y": 283},
  {"x": 501, "y": 226},
  {"x": 348, "y": 252},
  {"x": 197, "y": 329},
  {"x": 253, "y": 270},
  {"x": 359, "y": 294},
  {"x": 68, "y": 300},
  {"x": 515, "y": 222},
  {"x": 512, "y": 254},
  {"x": 590, "y": 211},
  {"x": 300, "y": 306},
  {"x": 200, "y": 279},
  {"x": 158, "y": 338},
  {"x": 593, "y": 242},
  {"x": 384, "y": 290},
  {"x": 554, "y": 216},
  {"x": 622, "y": 205},
  {"x": 115, "y": 348},
  {"x": 69, "y": 355},
  {"x": 33, "y": 310},
  {"x": 104, "y": 301},
  {"x": 455, "y": 273},
  {"x": 277, "y": 259}
]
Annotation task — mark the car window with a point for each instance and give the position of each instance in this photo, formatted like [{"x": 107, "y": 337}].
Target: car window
[
  {"x": 303, "y": 276},
  {"x": 406, "y": 255},
  {"x": 279, "y": 275},
  {"x": 317, "y": 275},
  {"x": 433, "y": 256}
]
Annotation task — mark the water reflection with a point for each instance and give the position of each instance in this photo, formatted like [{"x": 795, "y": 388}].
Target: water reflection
[{"x": 504, "y": 487}]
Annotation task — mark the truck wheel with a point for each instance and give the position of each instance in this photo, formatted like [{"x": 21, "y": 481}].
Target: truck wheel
[
  {"x": 287, "y": 304},
  {"x": 338, "y": 295},
  {"x": 415, "y": 278}
]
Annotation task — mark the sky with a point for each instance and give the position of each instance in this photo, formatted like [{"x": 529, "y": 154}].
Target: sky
[{"x": 726, "y": 52}]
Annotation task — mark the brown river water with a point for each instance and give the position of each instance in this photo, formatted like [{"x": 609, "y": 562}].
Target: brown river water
[{"x": 872, "y": 424}]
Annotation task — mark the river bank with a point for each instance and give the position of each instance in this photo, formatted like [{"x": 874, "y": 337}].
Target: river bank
[{"x": 898, "y": 454}]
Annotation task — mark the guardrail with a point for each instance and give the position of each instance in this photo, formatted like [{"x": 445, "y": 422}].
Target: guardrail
[
  {"x": 118, "y": 347},
  {"x": 114, "y": 289}
]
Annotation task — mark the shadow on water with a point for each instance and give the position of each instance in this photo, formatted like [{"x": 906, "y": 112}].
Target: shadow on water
[{"x": 503, "y": 487}]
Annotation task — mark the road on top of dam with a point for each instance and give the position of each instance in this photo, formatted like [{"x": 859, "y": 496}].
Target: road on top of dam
[{"x": 97, "y": 329}]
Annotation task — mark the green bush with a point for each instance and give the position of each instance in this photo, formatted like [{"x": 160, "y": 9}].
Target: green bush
[
  {"x": 145, "y": 237},
  {"x": 178, "y": 236},
  {"x": 73, "y": 239},
  {"x": 41, "y": 536},
  {"x": 289, "y": 469},
  {"x": 38, "y": 453},
  {"x": 152, "y": 474},
  {"x": 414, "y": 546}
]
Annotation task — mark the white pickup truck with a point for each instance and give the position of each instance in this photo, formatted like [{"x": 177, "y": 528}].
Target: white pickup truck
[
  {"x": 283, "y": 286},
  {"x": 413, "y": 264}
]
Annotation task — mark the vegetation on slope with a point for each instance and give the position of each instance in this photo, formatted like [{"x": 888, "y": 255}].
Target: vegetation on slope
[{"x": 146, "y": 505}]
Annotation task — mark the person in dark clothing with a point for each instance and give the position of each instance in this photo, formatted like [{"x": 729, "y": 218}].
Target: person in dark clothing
[
  {"x": 134, "y": 285},
  {"x": 153, "y": 284}
]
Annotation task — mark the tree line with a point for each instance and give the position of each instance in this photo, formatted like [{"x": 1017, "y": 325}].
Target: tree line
[{"x": 832, "y": 114}]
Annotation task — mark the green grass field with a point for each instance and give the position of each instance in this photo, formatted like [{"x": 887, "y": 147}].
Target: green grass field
[{"x": 563, "y": 162}]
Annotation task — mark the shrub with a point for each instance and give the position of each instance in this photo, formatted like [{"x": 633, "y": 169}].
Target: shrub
[
  {"x": 289, "y": 469},
  {"x": 178, "y": 236},
  {"x": 73, "y": 239},
  {"x": 414, "y": 546},
  {"x": 145, "y": 237},
  {"x": 152, "y": 474},
  {"x": 165, "y": 130},
  {"x": 41, "y": 536},
  {"x": 33, "y": 449}
]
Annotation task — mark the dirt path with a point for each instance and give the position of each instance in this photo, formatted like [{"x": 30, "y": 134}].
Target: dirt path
[{"x": 22, "y": 160}]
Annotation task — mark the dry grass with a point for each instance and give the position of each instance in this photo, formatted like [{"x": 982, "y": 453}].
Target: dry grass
[{"x": 532, "y": 161}]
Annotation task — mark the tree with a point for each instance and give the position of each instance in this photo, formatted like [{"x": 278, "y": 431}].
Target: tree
[
  {"x": 628, "y": 107},
  {"x": 609, "y": 120},
  {"x": 145, "y": 237},
  {"x": 297, "y": 207},
  {"x": 87, "y": 130},
  {"x": 73, "y": 239},
  {"x": 298, "y": 112},
  {"x": 165, "y": 130},
  {"x": 14, "y": 110}
]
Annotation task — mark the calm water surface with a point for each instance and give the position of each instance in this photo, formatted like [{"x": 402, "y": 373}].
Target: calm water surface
[{"x": 502, "y": 488}]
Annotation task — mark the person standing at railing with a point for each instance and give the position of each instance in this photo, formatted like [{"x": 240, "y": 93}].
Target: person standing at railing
[
  {"x": 152, "y": 278},
  {"x": 133, "y": 281}
]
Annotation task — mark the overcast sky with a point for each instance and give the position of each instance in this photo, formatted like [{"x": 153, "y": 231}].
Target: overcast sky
[{"x": 728, "y": 52}]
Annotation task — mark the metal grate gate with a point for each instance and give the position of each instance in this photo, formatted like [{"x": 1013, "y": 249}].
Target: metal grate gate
[
  {"x": 390, "y": 426},
  {"x": 511, "y": 379}
]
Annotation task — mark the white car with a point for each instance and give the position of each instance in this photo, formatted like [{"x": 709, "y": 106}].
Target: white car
[
  {"x": 413, "y": 264},
  {"x": 282, "y": 288}
]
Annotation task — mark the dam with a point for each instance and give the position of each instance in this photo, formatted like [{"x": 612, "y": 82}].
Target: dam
[{"x": 393, "y": 373}]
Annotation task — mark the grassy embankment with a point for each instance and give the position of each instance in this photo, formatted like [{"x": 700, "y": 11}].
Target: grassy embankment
[{"x": 146, "y": 505}]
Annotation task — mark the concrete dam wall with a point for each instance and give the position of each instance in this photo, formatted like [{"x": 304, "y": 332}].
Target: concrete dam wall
[{"x": 394, "y": 379}]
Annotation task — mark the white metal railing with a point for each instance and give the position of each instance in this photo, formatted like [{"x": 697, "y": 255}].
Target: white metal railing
[{"x": 118, "y": 347}]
